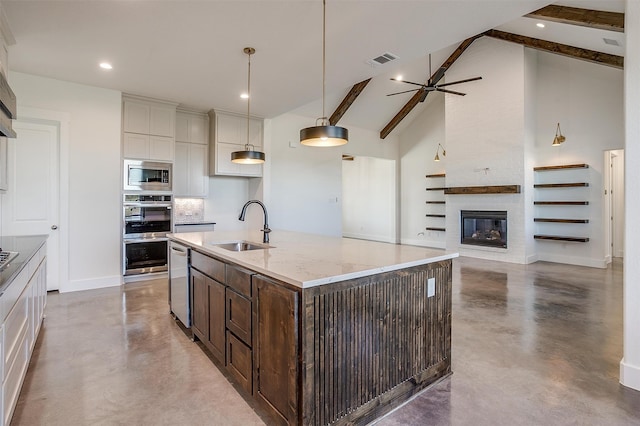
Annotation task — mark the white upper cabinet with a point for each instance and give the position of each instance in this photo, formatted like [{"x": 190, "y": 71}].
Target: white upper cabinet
[
  {"x": 148, "y": 129},
  {"x": 190, "y": 172},
  {"x": 228, "y": 134},
  {"x": 191, "y": 127}
]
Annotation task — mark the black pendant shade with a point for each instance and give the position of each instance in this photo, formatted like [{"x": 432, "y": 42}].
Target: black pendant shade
[
  {"x": 323, "y": 136},
  {"x": 247, "y": 157}
]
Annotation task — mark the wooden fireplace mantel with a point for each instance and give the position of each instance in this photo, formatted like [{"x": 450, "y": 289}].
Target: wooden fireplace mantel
[{"x": 470, "y": 190}]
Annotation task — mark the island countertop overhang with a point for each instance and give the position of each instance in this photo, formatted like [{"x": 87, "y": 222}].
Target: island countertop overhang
[{"x": 309, "y": 260}]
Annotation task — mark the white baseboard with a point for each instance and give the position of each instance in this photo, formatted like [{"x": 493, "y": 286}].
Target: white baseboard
[
  {"x": 424, "y": 243},
  {"x": 531, "y": 259},
  {"x": 629, "y": 375},
  {"x": 573, "y": 260},
  {"x": 91, "y": 284}
]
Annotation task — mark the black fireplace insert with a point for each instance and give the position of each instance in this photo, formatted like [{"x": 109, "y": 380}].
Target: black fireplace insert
[{"x": 484, "y": 228}]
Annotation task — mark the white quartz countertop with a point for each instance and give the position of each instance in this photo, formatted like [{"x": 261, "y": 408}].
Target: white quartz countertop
[{"x": 307, "y": 260}]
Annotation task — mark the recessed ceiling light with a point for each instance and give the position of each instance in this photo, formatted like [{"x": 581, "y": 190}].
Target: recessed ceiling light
[
  {"x": 244, "y": 96},
  {"x": 106, "y": 66},
  {"x": 540, "y": 25}
]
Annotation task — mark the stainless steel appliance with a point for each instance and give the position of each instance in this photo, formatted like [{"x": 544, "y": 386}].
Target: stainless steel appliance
[
  {"x": 142, "y": 175},
  {"x": 179, "y": 296},
  {"x": 8, "y": 108},
  {"x": 146, "y": 223}
]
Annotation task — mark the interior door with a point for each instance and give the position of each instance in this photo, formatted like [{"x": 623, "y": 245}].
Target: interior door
[{"x": 31, "y": 204}]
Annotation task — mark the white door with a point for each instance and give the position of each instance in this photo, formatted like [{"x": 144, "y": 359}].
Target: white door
[{"x": 31, "y": 204}]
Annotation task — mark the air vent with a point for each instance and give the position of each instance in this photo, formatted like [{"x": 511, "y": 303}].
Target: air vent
[
  {"x": 382, "y": 59},
  {"x": 611, "y": 42}
]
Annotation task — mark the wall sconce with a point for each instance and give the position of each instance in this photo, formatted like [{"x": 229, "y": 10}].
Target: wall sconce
[
  {"x": 444, "y": 153},
  {"x": 557, "y": 141}
]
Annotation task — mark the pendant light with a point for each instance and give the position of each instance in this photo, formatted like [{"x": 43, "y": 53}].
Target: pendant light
[
  {"x": 324, "y": 134},
  {"x": 249, "y": 155}
]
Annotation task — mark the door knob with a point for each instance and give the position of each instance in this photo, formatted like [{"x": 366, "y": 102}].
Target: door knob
[{"x": 54, "y": 227}]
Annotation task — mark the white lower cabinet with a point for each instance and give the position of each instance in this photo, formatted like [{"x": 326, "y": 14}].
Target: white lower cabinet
[{"x": 19, "y": 329}]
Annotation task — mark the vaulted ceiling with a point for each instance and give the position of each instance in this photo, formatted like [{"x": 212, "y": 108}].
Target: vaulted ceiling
[{"x": 191, "y": 51}]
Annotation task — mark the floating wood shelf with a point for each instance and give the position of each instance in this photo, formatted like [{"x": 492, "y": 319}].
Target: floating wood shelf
[
  {"x": 561, "y": 203},
  {"x": 561, "y": 185},
  {"x": 560, "y": 238},
  {"x": 436, "y": 202},
  {"x": 439, "y": 175},
  {"x": 436, "y": 189},
  {"x": 434, "y": 229},
  {"x": 436, "y": 215},
  {"x": 469, "y": 190},
  {"x": 561, "y": 167},
  {"x": 540, "y": 219}
]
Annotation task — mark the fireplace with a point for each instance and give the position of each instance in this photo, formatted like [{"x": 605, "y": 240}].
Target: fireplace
[{"x": 484, "y": 228}]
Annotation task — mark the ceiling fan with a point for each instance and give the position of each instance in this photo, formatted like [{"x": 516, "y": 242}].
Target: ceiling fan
[{"x": 432, "y": 85}]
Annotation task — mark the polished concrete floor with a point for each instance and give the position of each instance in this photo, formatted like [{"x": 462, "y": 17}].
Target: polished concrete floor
[{"x": 532, "y": 345}]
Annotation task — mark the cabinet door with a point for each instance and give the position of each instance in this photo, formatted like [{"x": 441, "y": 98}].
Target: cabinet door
[
  {"x": 238, "y": 312},
  {"x": 217, "y": 330},
  {"x": 200, "y": 305},
  {"x": 162, "y": 121},
  {"x": 136, "y": 146},
  {"x": 182, "y": 127},
  {"x": 161, "y": 148},
  {"x": 181, "y": 170},
  {"x": 198, "y": 130},
  {"x": 136, "y": 117},
  {"x": 198, "y": 177},
  {"x": 229, "y": 129},
  {"x": 276, "y": 346}
]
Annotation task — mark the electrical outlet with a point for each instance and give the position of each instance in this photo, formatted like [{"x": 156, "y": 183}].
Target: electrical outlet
[{"x": 431, "y": 287}]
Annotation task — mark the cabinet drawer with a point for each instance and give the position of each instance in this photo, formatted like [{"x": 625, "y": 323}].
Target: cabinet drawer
[
  {"x": 212, "y": 267},
  {"x": 15, "y": 328},
  {"x": 239, "y": 362},
  {"x": 239, "y": 279},
  {"x": 239, "y": 316},
  {"x": 13, "y": 381}
]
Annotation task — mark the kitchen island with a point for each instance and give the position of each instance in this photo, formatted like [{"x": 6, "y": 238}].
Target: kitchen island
[{"x": 322, "y": 330}]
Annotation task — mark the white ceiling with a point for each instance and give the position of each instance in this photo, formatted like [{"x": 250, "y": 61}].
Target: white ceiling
[{"x": 191, "y": 51}]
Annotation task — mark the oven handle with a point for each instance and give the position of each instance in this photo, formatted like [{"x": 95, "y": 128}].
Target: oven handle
[
  {"x": 178, "y": 251},
  {"x": 144, "y": 240},
  {"x": 168, "y": 206}
]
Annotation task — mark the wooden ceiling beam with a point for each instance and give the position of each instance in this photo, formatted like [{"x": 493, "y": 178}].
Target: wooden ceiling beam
[
  {"x": 560, "y": 49},
  {"x": 610, "y": 21},
  {"x": 418, "y": 96},
  {"x": 348, "y": 101}
]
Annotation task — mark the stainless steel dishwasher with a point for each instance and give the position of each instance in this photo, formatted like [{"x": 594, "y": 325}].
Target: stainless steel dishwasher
[{"x": 179, "y": 297}]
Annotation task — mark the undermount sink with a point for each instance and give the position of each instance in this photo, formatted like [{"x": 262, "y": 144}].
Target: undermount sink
[{"x": 241, "y": 246}]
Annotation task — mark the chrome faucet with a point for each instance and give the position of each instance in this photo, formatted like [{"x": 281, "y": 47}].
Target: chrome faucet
[{"x": 265, "y": 229}]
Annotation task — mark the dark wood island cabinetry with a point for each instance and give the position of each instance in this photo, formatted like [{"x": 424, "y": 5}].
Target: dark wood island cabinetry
[{"x": 342, "y": 351}]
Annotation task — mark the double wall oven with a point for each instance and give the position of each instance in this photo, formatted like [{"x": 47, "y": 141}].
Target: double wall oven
[{"x": 147, "y": 219}]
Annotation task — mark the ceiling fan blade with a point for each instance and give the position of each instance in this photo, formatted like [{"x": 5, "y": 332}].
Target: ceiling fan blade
[
  {"x": 399, "y": 93},
  {"x": 460, "y": 81},
  {"x": 450, "y": 91},
  {"x": 408, "y": 82},
  {"x": 423, "y": 96}
]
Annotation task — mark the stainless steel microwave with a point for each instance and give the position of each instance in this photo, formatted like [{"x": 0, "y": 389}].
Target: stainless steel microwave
[{"x": 140, "y": 175}]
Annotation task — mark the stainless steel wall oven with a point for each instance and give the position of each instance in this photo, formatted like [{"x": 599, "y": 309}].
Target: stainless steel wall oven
[{"x": 146, "y": 222}]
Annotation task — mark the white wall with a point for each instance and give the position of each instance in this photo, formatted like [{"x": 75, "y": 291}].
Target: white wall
[
  {"x": 94, "y": 174},
  {"x": 226, "y": 197},
  {"x": 587, "y": 100},
  {"x": 418, "y": 144},
  {"x": 306, "y": 182}
]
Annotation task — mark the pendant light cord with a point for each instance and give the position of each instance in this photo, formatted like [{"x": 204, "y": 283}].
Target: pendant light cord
[
  {"x": 324, "y": 49},
  {"x": 248, "y": 99}
]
